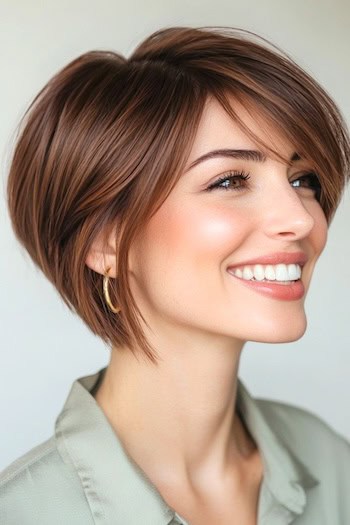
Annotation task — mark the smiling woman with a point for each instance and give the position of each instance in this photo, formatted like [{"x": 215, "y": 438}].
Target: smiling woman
[{"x": 179, "y": 200}]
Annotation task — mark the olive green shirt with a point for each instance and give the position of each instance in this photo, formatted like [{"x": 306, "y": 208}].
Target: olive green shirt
[{"x": 82, "y": 475}]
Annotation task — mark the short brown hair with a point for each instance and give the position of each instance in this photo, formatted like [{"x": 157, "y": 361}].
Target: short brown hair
[{"x": 107, "y": 138}]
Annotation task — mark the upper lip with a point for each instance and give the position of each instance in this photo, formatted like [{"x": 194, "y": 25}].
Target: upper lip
[{"x": 275, "y": 258}]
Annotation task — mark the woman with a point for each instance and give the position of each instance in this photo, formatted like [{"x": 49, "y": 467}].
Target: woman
[{"x": 179, "y": 200}]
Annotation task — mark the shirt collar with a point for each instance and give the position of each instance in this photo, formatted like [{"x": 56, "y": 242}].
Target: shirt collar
[
  {"x": 285, "y": 476},
  {"x": 117, "y": 490}
]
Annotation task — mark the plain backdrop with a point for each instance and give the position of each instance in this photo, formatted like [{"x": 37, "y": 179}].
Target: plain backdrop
[{"x": 44, "y": 347}]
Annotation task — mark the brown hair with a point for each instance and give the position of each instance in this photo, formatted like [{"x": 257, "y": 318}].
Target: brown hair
[{"x": 107, "y": 138}]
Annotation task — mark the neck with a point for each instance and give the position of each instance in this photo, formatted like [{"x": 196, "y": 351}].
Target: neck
[{"x": 177, "y": 419}]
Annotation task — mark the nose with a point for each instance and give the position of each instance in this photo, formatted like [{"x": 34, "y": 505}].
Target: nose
[{"x": 286, "y": 215}]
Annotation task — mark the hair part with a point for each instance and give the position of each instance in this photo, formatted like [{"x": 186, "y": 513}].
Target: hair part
[{"x": 105, "y": 141}]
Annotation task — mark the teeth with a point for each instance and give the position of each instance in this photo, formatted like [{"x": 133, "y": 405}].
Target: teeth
[
  {"x": 239, "y": 273},
  {"x": 278, "y": 272},
  {"x": 294, "y": 271},
  {"x": 270, "y": 273},
  {"x": 247, "y": 273},
  {"x": 259, "y": 272},
  {"x": 282, "y": 272}
]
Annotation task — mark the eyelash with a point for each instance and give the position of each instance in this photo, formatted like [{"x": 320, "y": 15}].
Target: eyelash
[
  {"x": 314, "y": 183},
  {"x": 230, "y": 176},
  {"x": 243, "y": 176}
]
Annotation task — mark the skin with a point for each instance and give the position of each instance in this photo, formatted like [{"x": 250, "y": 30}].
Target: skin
[{"x": 177, "y": 420}]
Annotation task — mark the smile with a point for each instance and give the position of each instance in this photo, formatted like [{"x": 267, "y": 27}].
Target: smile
[
  {"x": 279, "y": 273},
  {"x": 278, "y": 281}
]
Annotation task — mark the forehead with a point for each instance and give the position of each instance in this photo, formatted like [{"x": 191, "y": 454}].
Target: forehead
[{"x": 217, "y": 130}]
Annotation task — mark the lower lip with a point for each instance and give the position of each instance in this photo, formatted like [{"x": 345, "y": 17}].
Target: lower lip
[{"x": 284, "y": 292}]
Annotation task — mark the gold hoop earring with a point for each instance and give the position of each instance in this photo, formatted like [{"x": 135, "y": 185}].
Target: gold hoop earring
[{"x": 114, "y": 309}]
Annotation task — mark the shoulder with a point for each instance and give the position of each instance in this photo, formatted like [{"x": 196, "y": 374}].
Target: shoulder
[
  {"x": 296, "y": 421},
  {"x": 34, "y": 487},
  {"x": 310, "y": 438}
]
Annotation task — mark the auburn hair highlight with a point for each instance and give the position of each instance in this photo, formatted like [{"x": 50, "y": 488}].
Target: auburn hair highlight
[{"x": 104, "y": 142}]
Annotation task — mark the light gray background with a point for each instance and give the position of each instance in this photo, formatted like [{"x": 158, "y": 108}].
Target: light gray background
[{"x": 44, "y": 348}]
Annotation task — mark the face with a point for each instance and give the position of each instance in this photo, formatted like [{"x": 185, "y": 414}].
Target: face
[{"x": 232, "y": 249}]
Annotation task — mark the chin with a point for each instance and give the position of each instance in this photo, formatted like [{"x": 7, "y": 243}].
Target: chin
[
  {"x": 278, "y": 332},
  {"x": 282, "y": 338},
  {"x": 285, "y": 337}
]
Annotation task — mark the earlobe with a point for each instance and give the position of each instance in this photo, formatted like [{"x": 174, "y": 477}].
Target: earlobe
[{"x": 102, "y": 255}]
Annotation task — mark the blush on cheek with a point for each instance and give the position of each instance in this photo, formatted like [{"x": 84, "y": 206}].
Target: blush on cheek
[
  {"x": 218, "y": 232},
  {"x": 190, "y": 231}
]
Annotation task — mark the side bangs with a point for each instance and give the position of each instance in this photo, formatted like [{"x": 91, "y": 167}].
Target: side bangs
[{"x": 322, "y": 144}]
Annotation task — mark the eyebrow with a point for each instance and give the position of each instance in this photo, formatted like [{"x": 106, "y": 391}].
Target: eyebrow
[{"x": 241, "y": 154}]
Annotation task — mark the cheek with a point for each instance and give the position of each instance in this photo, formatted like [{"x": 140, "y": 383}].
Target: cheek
[{"x": 196, "y": 234}]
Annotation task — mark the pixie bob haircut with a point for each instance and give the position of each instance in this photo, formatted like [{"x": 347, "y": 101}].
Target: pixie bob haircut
[{"x": 104, "y": 142}]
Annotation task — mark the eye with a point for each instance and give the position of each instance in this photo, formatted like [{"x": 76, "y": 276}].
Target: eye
[
  {"x": 308, "y": 181},
  {"x": 233, "y": 180}
]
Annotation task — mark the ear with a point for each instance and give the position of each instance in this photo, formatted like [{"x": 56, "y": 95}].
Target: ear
[{"x": 102, "y": 253}]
